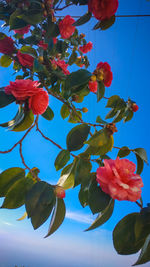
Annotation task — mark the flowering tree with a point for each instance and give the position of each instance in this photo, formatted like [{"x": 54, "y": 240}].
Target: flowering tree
[{"x": 40, "y": 61}]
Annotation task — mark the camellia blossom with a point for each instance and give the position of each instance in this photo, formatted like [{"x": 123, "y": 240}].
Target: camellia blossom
[
  {"x": 117, "y": 178},
  {"x": 24, "y": 30},
  {"x": 93, "y": 86},
  {"x": 61, "y": 64},
  {"x": 25, "y": 59},
  {"x": 7, "y": 45},
  {"x": 38, "y": 103},
  {"x": 65, "y": 27},
  {"x": 103, "y": 9},
  {"x": 104, "y": 73},
  {"x": 43, "y": 45},
  {"x": 134, "y": 107},
  {"x": 23, "y": 89},
  {"x": 86, "y": 48}
]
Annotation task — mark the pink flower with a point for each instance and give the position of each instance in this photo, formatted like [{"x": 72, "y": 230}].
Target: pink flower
[
  {"x": 38, "y": 103},
  {"x": 61, "y": 64},
  {"x": 23, "y": 89},
  {"x": 93, "y": 86},
  {"x": 86, "y": 48},
  {"x": 117, "y": 178},
  {"x": 65, "y": 27},
  {"x": 104, "y": 73},
  {"x": 22, "y": 31},
  {"x": 103, "y": 9},
  {"x": 25, "y": 59},
  {"x": 43, "y": 45},
  {"x": 7, "y": 45}
]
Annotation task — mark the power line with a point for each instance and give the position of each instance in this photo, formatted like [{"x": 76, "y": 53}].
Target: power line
[{"x": 117, "y": 16}]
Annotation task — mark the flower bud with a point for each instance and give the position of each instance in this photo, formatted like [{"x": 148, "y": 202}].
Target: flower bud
[
  {"x": 134, "y": 107},
  {"x": 59, "y": 192},
  {"x": 84, "y": 110},
  {"x": 93, "y": 78}
]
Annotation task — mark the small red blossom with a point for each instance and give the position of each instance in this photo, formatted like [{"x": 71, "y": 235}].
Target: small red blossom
[
  {"x": 103, "y": 9},
  {"x": 43, "y": 45},
  {"x": 86, "y": 48},
  {"x": 104, "y": 73},
  {"x": 59, "y": 192},
  {"x": 54, "y": 40},
  {"x": 25, "y": 59},
  {"x": 117, "y": 178},
  {"x": 65, "y": 27},
  {"x": 61, "y": 64},
  {"x": 24, "y": 30},
  {"x": 134, "y": 107},
  {"x": 7, "y": 45},
  {"x": 93, "y": 86},
  {"x": 38, "y": 103},
  {"x": 23, "y": 89}
]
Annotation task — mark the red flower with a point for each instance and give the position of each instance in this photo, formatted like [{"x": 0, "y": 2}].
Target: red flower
[
  {"x": 61, "y": 64},
  {"x": 54, "y": 40},
  {"x": 23, "y": 89},
  {"x": 134, "y": 107},
  {"x": 86, "y": 48},
  {"x": 93, "y": 86},
  {"x": 117, "y": 178},
  {"x": 65, "y": 27},
  {"x": 25, "y": 59},
  {"x": 59, "y": 192},
  {"x": 23, "y": 30},
  {"x": 43, "y": 45},
  {"x": 7, "y": 45},
  {"x": 104, "y": 73},
  {"x": 103, "y": 9},
  {"x": 38, "y": 103}
]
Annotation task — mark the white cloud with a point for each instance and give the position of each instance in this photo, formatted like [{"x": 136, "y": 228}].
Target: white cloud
[{"x": 79, "y": 217}]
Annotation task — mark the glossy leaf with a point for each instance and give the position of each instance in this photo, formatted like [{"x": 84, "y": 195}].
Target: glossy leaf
[
  {"x": 48, "y": 114},
  {"x": 100, "y": 91},
  {"x": 82, "y": 173},
  {"x": 115, "y": 102},
  {"x": 67, "y": 178},
  {"x": 5, "y": 61},
  {"x": 140, "y": 164},
  {"x": 77, "y": 136},
  {"x": 62, "y": 159},
  {"x": 103, "y": 217},
  {"x": 64, "y": 111},
  {"x": 107, "y": 23},
  {"x": 28, "y": 50},
  {"x": 84, "y": 196},
  {"x": 8, "y": 178},
  {"x": 141, "y": 152},
  {"x": 82, "y": 20},
  {"x": 145, "y": 253},
  {"x": 123, "y": 152},
  {"x": 5, "y": 99},
  {"x": 57, "y": 216},
  {"x": 100, "y": 120}
]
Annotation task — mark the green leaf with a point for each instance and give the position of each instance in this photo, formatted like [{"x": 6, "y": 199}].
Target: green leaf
[
  {"x": 8, "y": 178},
  {"x": 100, "y": 120},
  {"x": 111, "y": 113},
  {"x": 142, "y": 225},
  {"x": 72, "y": 58},
  {"x": 124, "y": 238},
  {"x": 77, "y": 136},
  {"x": 48, "y": 114},
  {"x": 145, "y": 252},
  {"x": 84, "y": 196},
  {"x": 39, "y": 203},
  {"x": 98, "y": 200},
  {"x": 123, "y": 152},
  {"x": 52, "y": 29},
  {"x": 16, "y": 22},
  {"x": 75, "y": 117},
  {"x": 24, "y": 124},
  {"x": 5, "y": 61},
  {"x": 68, "y": 175},
  {"x": 115, "y": 102},
  {"x": 64, "y": 111},
  {"x": 31, "y": 17},
  {"x": 82, "y": 173},
  {"x": 37, "y": 66},
  {"x": 119, "y": 116},
  {"x": 103, "y": 217},
  {"x": 62, "y": 159},
  {"x": 140, "y": 164},
  {"x": 57, "y": 217},
  {"x": 5, "y": 99},
  {"x": 100, "y": 91},
  {"x": 107, "y": 23},
  {"x": 28, "y": 50},
  {"x": 15, "y": 196},
  {"x": 82, "y": 20},
  {"x": 128, "y": 115},
  {"x": 141, "y": 152}
]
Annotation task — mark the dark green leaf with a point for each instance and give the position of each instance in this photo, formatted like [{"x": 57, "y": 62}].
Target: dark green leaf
[
  {"x": 145, "y": 252},
  {"x": 119, "y": 116},
  {"x": 57, "y": 217},
  {"x": 141, "y": 153},
  {"x": 84, "y": 196},
  {"x": 100, "y": 91},
  {"x": 100, "y": 120},
  {"x": 82, "y": 173},
  {"x": 115, "y": 102},
  {"x": 98, "y": 200},
  {"x": 72, "y": 58},
  {"x": 103, "y": 217},
  {"x": 5, "y": 99},
  {"x": 77, "y": 136},
  {"x": 62, "y": 159},
  {"x": 140, "y": 164},
  {"x": 111, "y": 113},
  {"x": 107, "y": 23},
  {"x": 128, "y": 115},
  {"x": 123, "y": 152},
  {"x": 64, "y": 111},
  {"x": 28, "y": 50},
  {"x": 82, "y": 20},
  {"x": 8, "y": 178},
  {"x": 48, "y": 114},
  {"x": 37, "y": 66}
]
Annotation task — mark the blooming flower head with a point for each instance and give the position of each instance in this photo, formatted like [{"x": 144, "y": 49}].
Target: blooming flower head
[
  {"x": 25, "y": 59},
  {"x": 7, "y": 45},
  {"x": 22, "y": 31},
  {"x": 104, "y": 73},
  {"x": 93, "y": 86},
  {"x": 38, "y": 103},
  {"x": 103, "y": 9},
  {"x": 117, "y": 178},
  {"x": 61, "y": 64},
  {"x": 43, "y": 45},
  {"x": 23, "y": 89},
  {"x": 66, "y": 28},
  {"x": 86, "y": 48}
]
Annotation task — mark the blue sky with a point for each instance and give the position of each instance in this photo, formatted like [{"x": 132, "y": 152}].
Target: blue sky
[{"x": 125, "y": 46}]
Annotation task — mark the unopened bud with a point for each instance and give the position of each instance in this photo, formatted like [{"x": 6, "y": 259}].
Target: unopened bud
[
  {"x": 40, "y": 59},
  {"x": 93, "y": 78},
  {"x": 111, "y": 127},
  {"x": 59, "y": 191},
  {"x": 85, "y": 110},
  {"x": 82, "y": 35},
  {"x": 134, "y": 107}
]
